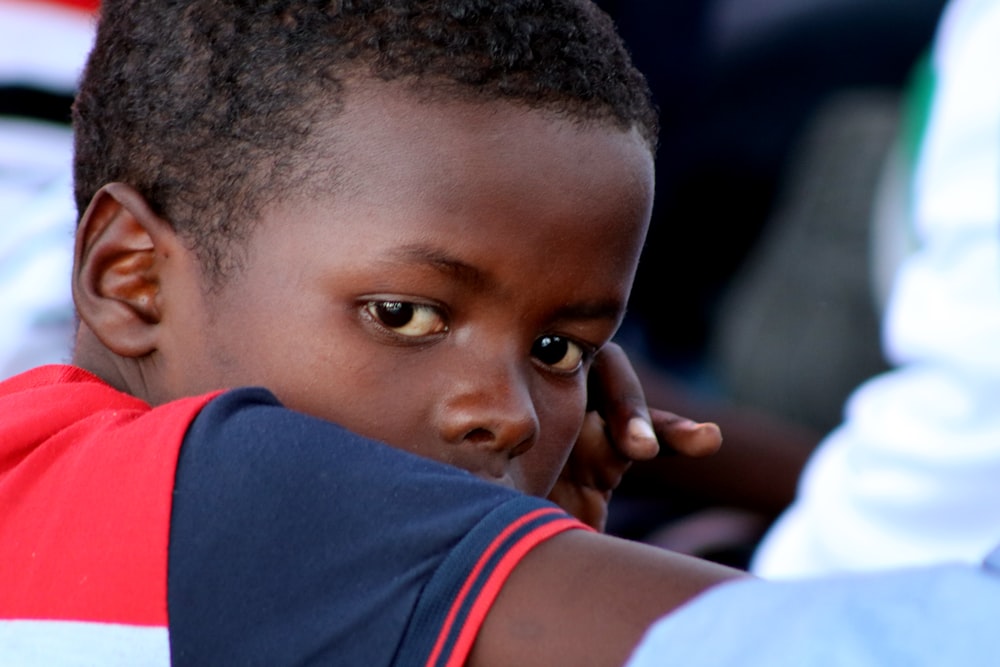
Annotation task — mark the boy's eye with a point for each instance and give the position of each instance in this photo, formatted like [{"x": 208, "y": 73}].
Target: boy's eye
[
  {"x": 560, "y": 353},
  {"x": 407, "y": 319}
]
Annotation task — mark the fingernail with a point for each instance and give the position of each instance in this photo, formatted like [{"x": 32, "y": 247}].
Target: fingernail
[{"x": 640, "y": 429}]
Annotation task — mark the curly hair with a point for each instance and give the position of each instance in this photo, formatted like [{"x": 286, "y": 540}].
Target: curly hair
[{"x": 206, "y": 106}]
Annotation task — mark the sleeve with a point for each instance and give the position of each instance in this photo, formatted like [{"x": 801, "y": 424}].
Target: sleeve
[
  {"x": 294, "y": 541},
  {"x": 921, "y": 617}
]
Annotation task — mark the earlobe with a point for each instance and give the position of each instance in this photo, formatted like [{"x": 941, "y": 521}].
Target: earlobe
[{"x": 116, "y": 272}]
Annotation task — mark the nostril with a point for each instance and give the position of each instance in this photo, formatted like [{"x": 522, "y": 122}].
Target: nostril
[
  {"x": 479, "y": 436},
  {"x": 484, "y": 437}
]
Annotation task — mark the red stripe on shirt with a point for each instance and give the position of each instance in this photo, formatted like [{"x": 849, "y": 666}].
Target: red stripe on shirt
[
  {"x": 484, "y": 602},
  {"x": 496, "y": 579}
]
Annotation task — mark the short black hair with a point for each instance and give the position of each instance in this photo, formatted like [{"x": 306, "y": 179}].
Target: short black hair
[{"x": 204, "y": 105}]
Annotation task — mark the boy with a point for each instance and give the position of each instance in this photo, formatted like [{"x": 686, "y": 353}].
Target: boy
[{"x": 418, "y": 221}]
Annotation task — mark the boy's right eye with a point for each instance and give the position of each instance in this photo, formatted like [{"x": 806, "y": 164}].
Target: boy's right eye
[{"x": 407, "y": 319}]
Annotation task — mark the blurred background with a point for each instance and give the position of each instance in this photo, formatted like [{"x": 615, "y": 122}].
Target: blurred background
[
  {"x": 740, "y": 85},
  {"x": 43, "y": 45},
  {"x": 757, "y": 303}
]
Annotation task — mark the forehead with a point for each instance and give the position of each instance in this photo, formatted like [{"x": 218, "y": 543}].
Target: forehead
[
  {"x": 478, "y": 184},
  {"x": 388, "y": 143}
]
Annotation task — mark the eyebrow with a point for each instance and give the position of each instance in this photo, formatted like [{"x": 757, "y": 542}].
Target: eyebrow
[
  {"x": 609, "y": 309},
  {"x": 444, "y": 263}
]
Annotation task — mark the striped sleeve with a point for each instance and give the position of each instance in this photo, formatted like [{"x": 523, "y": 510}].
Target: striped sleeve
[
  {"x": 294, "y": 541},
  {"x": 456, "y": 600}
]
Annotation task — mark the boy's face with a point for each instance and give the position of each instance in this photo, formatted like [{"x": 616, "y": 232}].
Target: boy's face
[{"x": 446, "y": 293}]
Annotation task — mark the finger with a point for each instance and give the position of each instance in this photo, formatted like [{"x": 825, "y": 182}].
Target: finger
[
  {"x": 594, "y": 462},
  {"x": 680, "y": 435},
  {"x": 616, "y": 393}
]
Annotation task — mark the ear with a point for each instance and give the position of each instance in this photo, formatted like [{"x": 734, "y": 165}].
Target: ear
[{"x": 120, "y": 245}]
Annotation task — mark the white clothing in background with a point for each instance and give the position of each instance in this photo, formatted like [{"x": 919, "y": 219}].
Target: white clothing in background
[{"x": 912, "y": 476}]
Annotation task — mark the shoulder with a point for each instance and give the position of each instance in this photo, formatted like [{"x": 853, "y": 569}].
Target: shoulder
[
  {"x": 294, "y": 537},
  {"x": 245, "y": 444}
]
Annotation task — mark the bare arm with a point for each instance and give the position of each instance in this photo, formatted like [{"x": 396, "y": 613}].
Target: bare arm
[{"x": 585, "y": 599}]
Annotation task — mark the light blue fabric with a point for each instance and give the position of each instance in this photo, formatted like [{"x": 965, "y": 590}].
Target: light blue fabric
[
  {"x": 992, "y": 561},
  {"x": 943, "y": 616}
]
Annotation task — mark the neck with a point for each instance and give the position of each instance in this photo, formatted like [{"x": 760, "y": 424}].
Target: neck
[{"x": 124, "y": 374}]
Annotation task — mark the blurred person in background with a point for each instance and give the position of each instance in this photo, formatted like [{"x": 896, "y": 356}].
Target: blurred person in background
[
  {"x": 911, "y": 476},
  {"x": 779, "y": 116},
  {"x": 892, "y": 541},
  {"x": 43, "y": 45}
]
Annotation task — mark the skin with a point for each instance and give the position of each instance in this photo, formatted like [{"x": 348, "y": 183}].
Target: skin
[
  {"x": 402, "y": 298},
  {"x": 446, "y": 293}
]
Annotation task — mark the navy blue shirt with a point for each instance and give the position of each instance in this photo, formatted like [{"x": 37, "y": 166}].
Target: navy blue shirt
[{"x": 294, "y": 541}]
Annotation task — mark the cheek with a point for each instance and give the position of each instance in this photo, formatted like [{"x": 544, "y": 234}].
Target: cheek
[
  {"x": 560, "y": 419},
  {"x": 346, "y": 384},
  {"x": 378, "y": 405}
]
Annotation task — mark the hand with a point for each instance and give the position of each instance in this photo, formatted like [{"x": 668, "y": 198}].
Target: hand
[{"x": 620, "y": 428}]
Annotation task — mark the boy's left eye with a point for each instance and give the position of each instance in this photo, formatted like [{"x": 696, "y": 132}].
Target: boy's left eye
[
  {"x": 407, "y": 319},
  {"x": 558, "y": 352}
]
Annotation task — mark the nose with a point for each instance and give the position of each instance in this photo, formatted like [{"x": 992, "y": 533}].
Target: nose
[{"x": 488, "y": 411}]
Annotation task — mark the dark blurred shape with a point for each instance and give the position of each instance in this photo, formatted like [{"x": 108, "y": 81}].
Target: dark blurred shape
[
  {"x": 737, "y": 81},
  {"x": 798, "y": 328},
  {"x": 28, "y": 102}
]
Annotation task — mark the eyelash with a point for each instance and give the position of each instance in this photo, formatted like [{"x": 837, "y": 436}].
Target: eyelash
[{"x": 397, "y": 317}]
